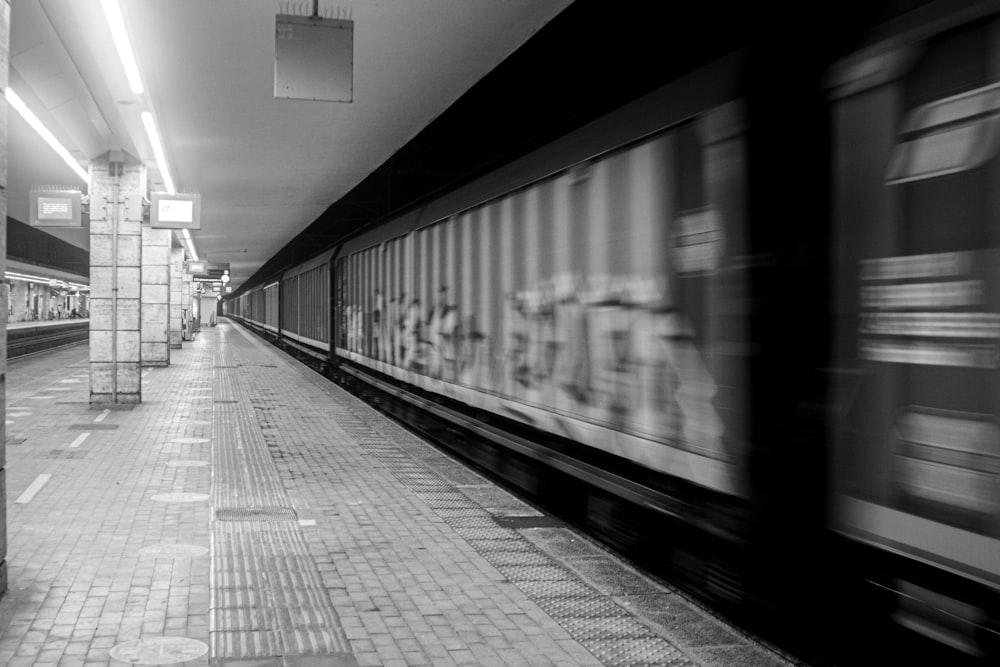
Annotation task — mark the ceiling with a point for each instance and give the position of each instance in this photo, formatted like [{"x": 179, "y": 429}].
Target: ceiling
[
  {"x": 266, "y": 168},
  {"x": 443, "y": 90}
]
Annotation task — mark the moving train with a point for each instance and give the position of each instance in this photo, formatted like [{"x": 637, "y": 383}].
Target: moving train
[{"x": 748, "y": 323}]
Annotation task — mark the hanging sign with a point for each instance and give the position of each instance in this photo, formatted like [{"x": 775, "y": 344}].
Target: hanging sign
[
  {"x": 178, "y": 211},
  {"x": 196, "y": 267},
  {"x": 55, "y": 208}
]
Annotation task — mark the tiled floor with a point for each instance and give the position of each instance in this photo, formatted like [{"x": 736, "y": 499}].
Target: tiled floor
[{"x": 258, "y": 515}]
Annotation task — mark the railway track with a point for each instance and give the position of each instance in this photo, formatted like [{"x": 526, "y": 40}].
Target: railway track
[{"x": 23, "y": 341}]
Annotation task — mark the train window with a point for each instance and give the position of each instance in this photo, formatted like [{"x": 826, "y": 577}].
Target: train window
[{"x": 954, "y": 134}]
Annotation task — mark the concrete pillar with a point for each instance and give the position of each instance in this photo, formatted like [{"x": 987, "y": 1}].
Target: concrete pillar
[
  {"x": 116, "y": 190},
  {"x": 155, "y": 334},
  {"x": 4, "y": 62},
  {"x": 49, "y": 307},
  {"x": 19, "y": 299},
  {"x": 187, "y": 284},
  {"x": 176, "y": 305}
]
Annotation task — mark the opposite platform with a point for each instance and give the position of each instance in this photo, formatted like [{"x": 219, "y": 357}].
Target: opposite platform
[{"x": 249, "y": 512}]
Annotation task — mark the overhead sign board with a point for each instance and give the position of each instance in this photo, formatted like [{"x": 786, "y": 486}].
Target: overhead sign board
[
  {"x": 313, "y": 58},
  {"x": 55, "y": 208},
  {"x": 178, "y": 211},
  {"x": 197, "y": 267}
]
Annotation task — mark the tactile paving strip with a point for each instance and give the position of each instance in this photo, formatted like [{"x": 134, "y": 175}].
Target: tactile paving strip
[
  {"x": 244, "y": 475},
  {"x": 526, "y": 573},
  {"x": 611, "y": 633},
  {"x": 637, "y": 652},
  {"x": 240, "y": 619},
  {"x": 503, "y": 559},
  {"x": 474, "y": 531},
  {"x": 446, "y": 501},
  {"x": 244, "y": 643},
  {"x": 581, "y": 607},
  {"x": 589, "y": 628},
  {"x": 259, "y": 557},
  {"x": 501, "y": 545}
]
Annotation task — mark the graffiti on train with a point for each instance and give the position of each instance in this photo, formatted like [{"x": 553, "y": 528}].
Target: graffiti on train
[{"x": 610, "y": 349}]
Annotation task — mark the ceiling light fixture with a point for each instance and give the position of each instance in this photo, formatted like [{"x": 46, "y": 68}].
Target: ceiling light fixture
[
  {"x": 15, "y": 101},
  {"x": 186, "y": 239},
  {"x": 25, "y": 276},
  {"x": 161, "y": 163},
  {"x": 161, "y": 159},
  {"x": 113, "y": 14}
]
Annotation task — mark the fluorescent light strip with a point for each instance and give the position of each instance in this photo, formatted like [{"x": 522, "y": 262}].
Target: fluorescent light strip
[
  {"x": 113, "y": 14},
  {"x": 188, "y": 245},
  {"x": 189, "y": 242},
  {"x": 161, "y": 163},
  {"x": 13, "y": 275},
  {"x": 161, "y": 158},
  {"x": 22, "y": 108},
  {"x": 24, "y": 276}
]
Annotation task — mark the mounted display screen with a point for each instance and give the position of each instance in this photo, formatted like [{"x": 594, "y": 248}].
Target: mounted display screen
[
  {"x": 196, "y": 267},
  {"x": 180, "y": 211},
  {"x": 55, "y": 208}
]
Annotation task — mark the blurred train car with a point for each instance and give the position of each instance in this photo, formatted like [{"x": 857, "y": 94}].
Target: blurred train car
[
  {"x": 582, "y": 292},
  {"x": 747, "y": 324},
  {"x": 917, "y": 317},
  {"x": 583, "y": 311}
]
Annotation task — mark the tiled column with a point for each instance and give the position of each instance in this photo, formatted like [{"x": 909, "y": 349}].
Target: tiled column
[
  {"x": 176, "y": 305},
  {"x": 155, "y": 332},
  {"x": 4, "y": 61},
  {"x": 115, "y": 280},
  {"x": 20, "y": 298},
  {"x": 187, "y": 285}
]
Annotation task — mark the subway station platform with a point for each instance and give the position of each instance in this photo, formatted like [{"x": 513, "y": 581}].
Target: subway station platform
[{"x": 251, "y": 513}]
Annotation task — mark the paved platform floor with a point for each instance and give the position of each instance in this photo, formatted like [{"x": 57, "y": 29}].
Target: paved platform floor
[{"x": 251, "y": 513}]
